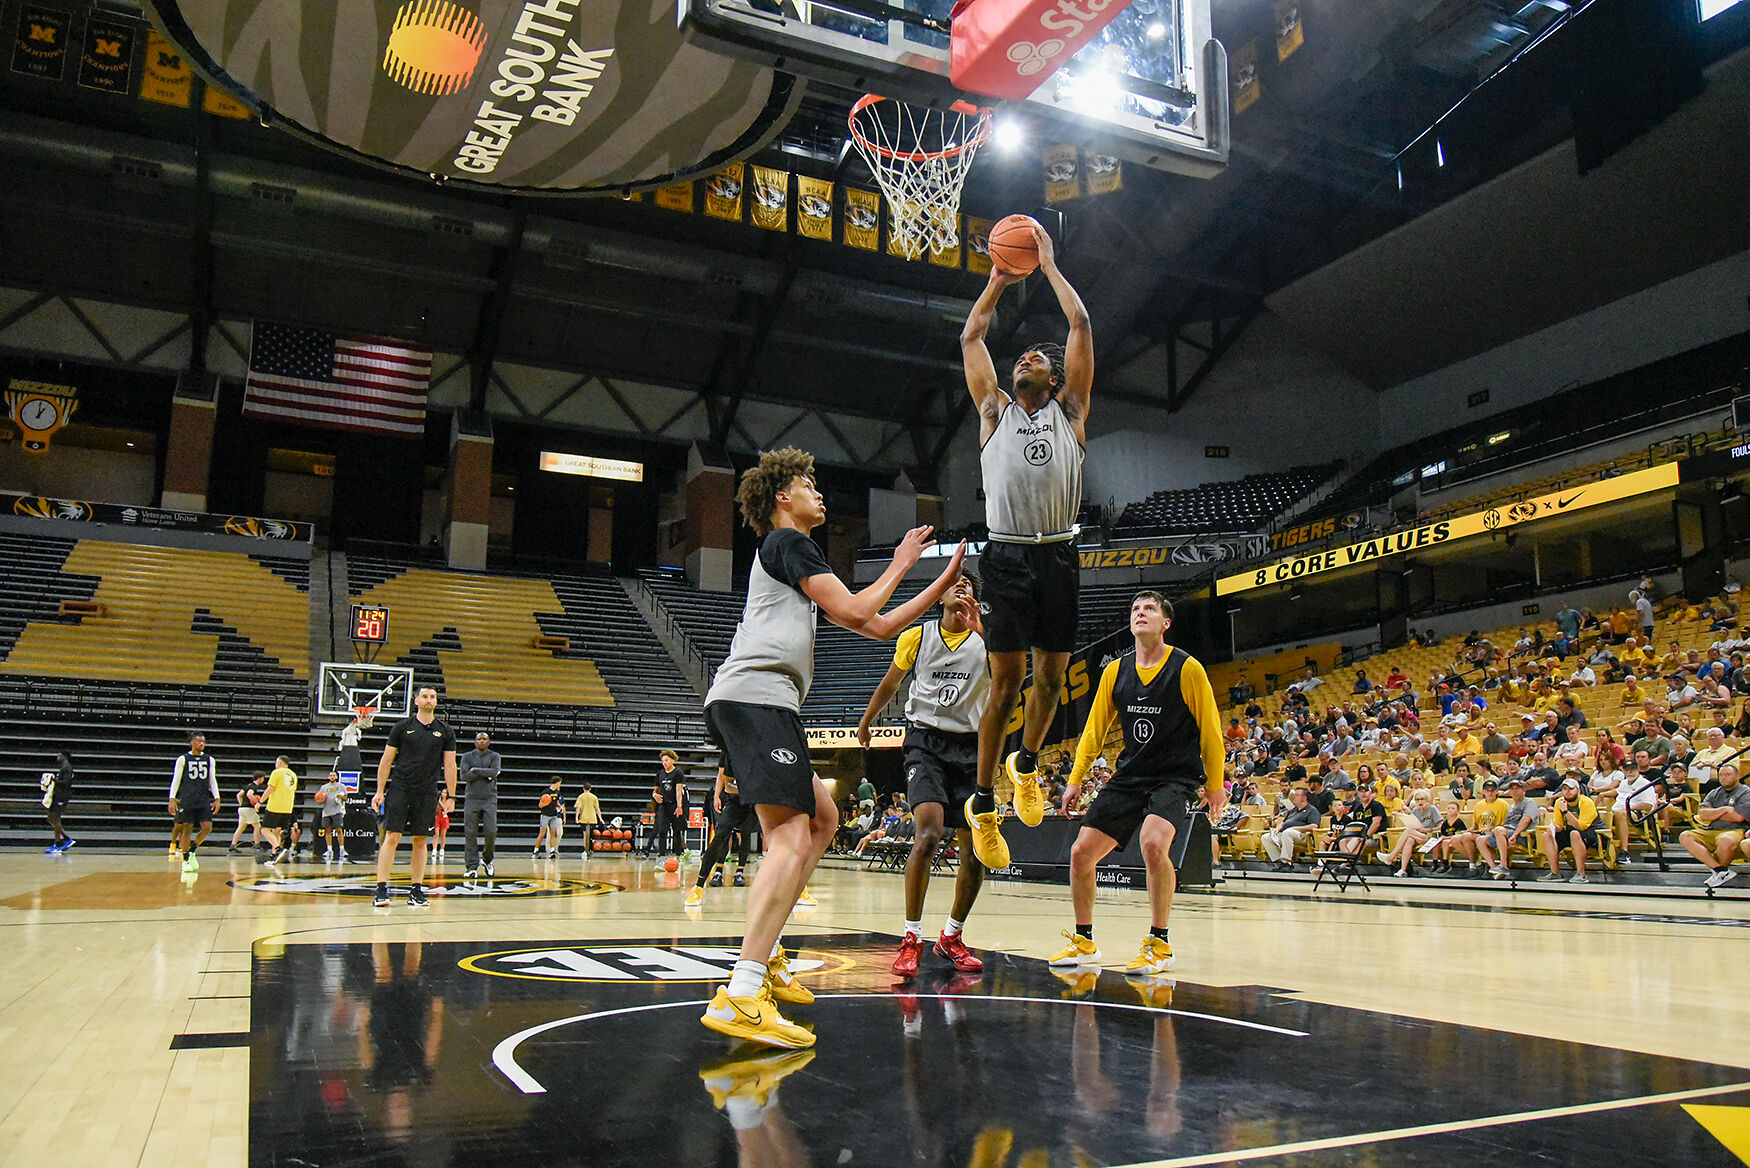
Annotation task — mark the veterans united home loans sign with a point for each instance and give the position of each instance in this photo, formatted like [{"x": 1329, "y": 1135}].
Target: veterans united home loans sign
[{"x": 1566, "y": 502}]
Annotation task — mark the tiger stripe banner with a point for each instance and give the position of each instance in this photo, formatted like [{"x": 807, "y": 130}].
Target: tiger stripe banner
[
  {"x": 676, "y": 197},
  {"x": 771, "y": 198},
  {"x": 1062, "y": 167},
  {"x": 167, "y": 79},
  {"x": 1102, "y": 173},
  {"x": 1245, "y": 77},
  {"x": 862, "y": 219},
  {"x": 977, "y": 245},
  {"x": 813, "y": 208},
  {"x": 723, "y": 193},
  {"x": 948, "y": 257}
]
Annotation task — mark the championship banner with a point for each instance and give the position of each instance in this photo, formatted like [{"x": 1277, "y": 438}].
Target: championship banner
[
  {"x": 771, "y": 198},
  {"x": 1245, "y": 75},
  {"x": 723, "y": 193},
  {"x": 948, "y": 257},
  {"x": 862, "y": 219},
  {"x": 1062, "y": 166},
  {"x": 1103, "y": 174},
  {"x": 676, "y": 197},
  {"x": 1289, "y": 35},
  {"x": 39, "y": 44},
  {"x": 107, "y": 60},
  {"x": 813, "y": 208},
  {"x": 893, "y": 248},
  {"x": 216, "y": 101},
  {"x": 168, "y": 79},
  {"x": 1566, "y": 502},
  {"x": 978, "y": 245},
  {"x": 1316, "y": 529},
  {"x": 835, "y": 737}
]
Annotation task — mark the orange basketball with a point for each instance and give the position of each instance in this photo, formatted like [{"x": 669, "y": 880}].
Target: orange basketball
[
  {"x": 1011, "y": 244},
  {"x": 671, "y": 865}
]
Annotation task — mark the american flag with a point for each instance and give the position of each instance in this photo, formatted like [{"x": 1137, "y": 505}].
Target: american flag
[{"x": 344, "y": 382}]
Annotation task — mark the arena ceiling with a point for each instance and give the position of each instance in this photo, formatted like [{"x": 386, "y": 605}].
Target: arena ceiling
[{"x": 143, "y": 205}]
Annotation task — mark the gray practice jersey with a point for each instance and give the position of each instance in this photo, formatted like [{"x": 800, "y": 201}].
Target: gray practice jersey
[
  {"x": 771, "y": 659},
  {"x": 1032, "y": 474},
  {"x": 949, "y": 687}
]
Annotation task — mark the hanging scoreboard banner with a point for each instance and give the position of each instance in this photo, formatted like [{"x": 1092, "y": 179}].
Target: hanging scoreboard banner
[
  {"x": 542, "y": 95},
  {"x": 1566, "y": 502}
]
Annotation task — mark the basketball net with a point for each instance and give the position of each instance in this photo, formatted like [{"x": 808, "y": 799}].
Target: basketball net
[
  {"x": 364, "y": 716},
  {"x": 920, "y": 157}
]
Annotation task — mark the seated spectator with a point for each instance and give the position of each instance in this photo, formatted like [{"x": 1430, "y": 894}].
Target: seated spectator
[
  {"x": 1308, "y": 682},
  {"x": 1573, "y": 823},
  {"x": 1417, "y": 821},
  {"x": 1362, "y": 684},
  {"x": 1234, "y": 732},
  {"x": 1451, "y": 837},
  {"x": 1607, "y": 753},
  {"x": 1397, "y": 678},
  {"x": 1638, "y": 796},
  {"x": 1287, "y": 829},
  {"x": 1348, "y": 828},
  {"x": 1466, "y": 744},
  {"x": 1462, "y": 785},
  {"x": 1569, "y": 713},
  {"x": 1585, "y": 675},
  {"x": 1719, "y": 832},
  {"x": 1573, "y": 752},
  {"x": 1242, "y": 690},
  {"x": 1495, "y": 846},
  {"x": 1489, "y": 813},
  {"x": 1632, "y": 693},
  {"x": 1706, "y": 761},
  {"x": 1495, "y": 742},
  {"x": 1540, "y": 777},
  {"x": 1713, "y": 695},
  {"x": 1321, "y": 799}
]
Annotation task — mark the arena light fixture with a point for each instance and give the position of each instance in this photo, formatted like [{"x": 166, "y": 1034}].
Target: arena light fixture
[
  {"x": 1712, "y": 8},
  {"x": 1497, "y": 439}
]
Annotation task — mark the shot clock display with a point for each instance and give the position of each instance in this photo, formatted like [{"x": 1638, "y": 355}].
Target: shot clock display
[{"x": 370, "y": 624}]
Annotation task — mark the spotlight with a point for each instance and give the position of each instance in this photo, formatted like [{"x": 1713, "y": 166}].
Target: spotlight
[
  {"x": 1156, "y": 31},
  {"x": 1439, "y": 153},
  {"x": 1008, "y": 135}
]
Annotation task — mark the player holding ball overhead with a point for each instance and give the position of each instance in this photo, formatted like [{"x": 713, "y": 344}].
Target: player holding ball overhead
[{"x": 1031, "y": 442}]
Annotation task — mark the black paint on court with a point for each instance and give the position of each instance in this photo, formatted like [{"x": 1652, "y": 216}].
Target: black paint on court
[{"x": 409, "y": 1053}]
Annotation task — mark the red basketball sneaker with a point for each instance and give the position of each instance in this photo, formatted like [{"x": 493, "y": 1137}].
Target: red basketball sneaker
[
  {"x": 911, "y": 950},
  {"x": 955, "y": 950}
]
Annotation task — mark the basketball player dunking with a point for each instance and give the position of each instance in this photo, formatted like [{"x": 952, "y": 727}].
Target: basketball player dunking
[
  {"x": 1031, "y": 443},
  {"x": 753, "y": 714},
  {"x": 950, "y": 681}
]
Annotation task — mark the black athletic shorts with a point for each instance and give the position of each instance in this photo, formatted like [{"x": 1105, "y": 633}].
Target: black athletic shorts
[
  {"x": 411, "y": 809},
  {"x": 200, "y": 811},
  {"x": 941, "y": 768},
  {"x": 1029, "y": 596},
  {"x": 1119, "y": 809},
  {"x": 1588, "y": 836},
  {"x": 278, "y": 820},
  {"x": 734, "y": 816},
  {"x": 765, "y": 750}
]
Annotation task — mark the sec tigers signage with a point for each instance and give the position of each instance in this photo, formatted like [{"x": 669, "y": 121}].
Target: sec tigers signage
[{"x": 1564, "y": 502}]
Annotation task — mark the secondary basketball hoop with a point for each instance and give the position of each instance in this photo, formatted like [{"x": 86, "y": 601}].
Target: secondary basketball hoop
[
  {"x": 366, "y": 715},
  {"x": 920, "y": 156}
]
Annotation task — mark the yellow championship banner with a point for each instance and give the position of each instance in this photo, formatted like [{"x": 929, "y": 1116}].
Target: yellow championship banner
[
  {"x": 1062, "y": 165},
  {"x": 948, "y": 257},
  {"x": 862, "y": 219},
  {"x": 676, "y": 197},
  {"x": 723, "y": 193},
  {"x": 1245, "y": 76},
  {"x": 978, "y": 245},
  {"x": 771, "y": 198},
  {"x": 168, "y": 79},
  {"x": 217, "y": 101},
  {"x": 1103, "y": 174},
  {"x": 831, "y": 737},
  {"x": 813, "y": 207},
  {"x": 893, "y": 248},
  {"x": 1289, "y": 35},
  {"x": 1640, "y": 482}
]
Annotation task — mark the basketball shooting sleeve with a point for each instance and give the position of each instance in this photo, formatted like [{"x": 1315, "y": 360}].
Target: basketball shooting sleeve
[
  {"x": 1199, "y": 697},
  {"x": 1099, "y": 724}
]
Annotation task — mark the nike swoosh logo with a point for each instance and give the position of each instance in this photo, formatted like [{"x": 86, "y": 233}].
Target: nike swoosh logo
[
  {"x": 745, "y": 1016},
  {"x": 1569, "y": 499}
]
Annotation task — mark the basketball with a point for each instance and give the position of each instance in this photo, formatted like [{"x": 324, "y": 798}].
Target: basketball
[
  {"x": 321, "y": 796},
  {"x": 1011, "y": 244},
  {"x": 671, "y": 865}
]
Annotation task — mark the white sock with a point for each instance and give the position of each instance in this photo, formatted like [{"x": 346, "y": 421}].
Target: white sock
[
  {"x": 778, "y": 947},
  {"x": 747, "y": 979},
  {"x": 744, "y": 1114},
  {"x": 953, "y": 928},
  {"x": 914, "y": 929},
  {"x": 953, "y": 1011}
]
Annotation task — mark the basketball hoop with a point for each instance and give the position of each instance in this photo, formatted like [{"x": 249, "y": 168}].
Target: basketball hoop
[
  {"x": 920, "y": 156},
  {"x": 365, "y": 715}
]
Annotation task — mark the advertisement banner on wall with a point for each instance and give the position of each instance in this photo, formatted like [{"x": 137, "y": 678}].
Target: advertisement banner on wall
[
  {"x": 1190, "y": 551},
  {"x": 81, "y": 511},
  {"x": 1563, "y": 502}
]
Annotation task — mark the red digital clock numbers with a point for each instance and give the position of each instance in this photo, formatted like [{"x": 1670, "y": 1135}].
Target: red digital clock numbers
[{"x": 370, "y": 624}]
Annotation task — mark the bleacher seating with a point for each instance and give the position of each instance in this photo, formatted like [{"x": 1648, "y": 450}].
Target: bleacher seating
[
  {"x": 1244, "y": 505},
  {"x": 474, "y": 636},
  {"x": 708, "y": 619}
]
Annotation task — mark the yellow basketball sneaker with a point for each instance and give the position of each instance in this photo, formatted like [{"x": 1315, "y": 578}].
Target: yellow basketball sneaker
[
  {"x": 988, "y": 843},
  {"x": 1156, "y": 992},
  {"x": 753, "y": 1076},
  {"x": 694, "y": 898},
  {"x": 755, "y": 1019},
  {"x": 806, "y": 900},
  {"x": 1029, "y": 796},
  {"x": 1080, "y": 951},
  {"x": 783, "y": 983},
  {"x": 1079, "y": 982},
  {"x": 1156, "y": 957}
]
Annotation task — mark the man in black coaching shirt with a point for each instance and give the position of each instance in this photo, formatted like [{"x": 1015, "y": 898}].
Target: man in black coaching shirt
[{"x": 418, "y": 769}]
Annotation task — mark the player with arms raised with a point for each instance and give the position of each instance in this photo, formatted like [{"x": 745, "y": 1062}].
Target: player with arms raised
[
  {"x": 950, "y": 681},
  {"x": 1031, "y": 444},
  {"x": 753, "y": 714},
  {"x": 1161, "y": 698}
]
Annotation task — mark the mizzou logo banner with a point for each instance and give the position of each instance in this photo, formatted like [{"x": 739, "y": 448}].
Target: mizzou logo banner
[
  {"x": 723, "y": 193},
  {"x": 978, "y": 245},
  {"x": 78, "y": 510},
  {"x": 107, "y": 60},
  {"x": 862, "y": 219},
  {"x": 676, "y": 197},
  {"x": 942, "y": 253},
  {"x": 1062, "y": 164},
  {"x": 813, "y": 207},
  {"x": 1245, "y": 77},
  {"x": 771, "y": 198},
  {"x": 39, "y": 46}
]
